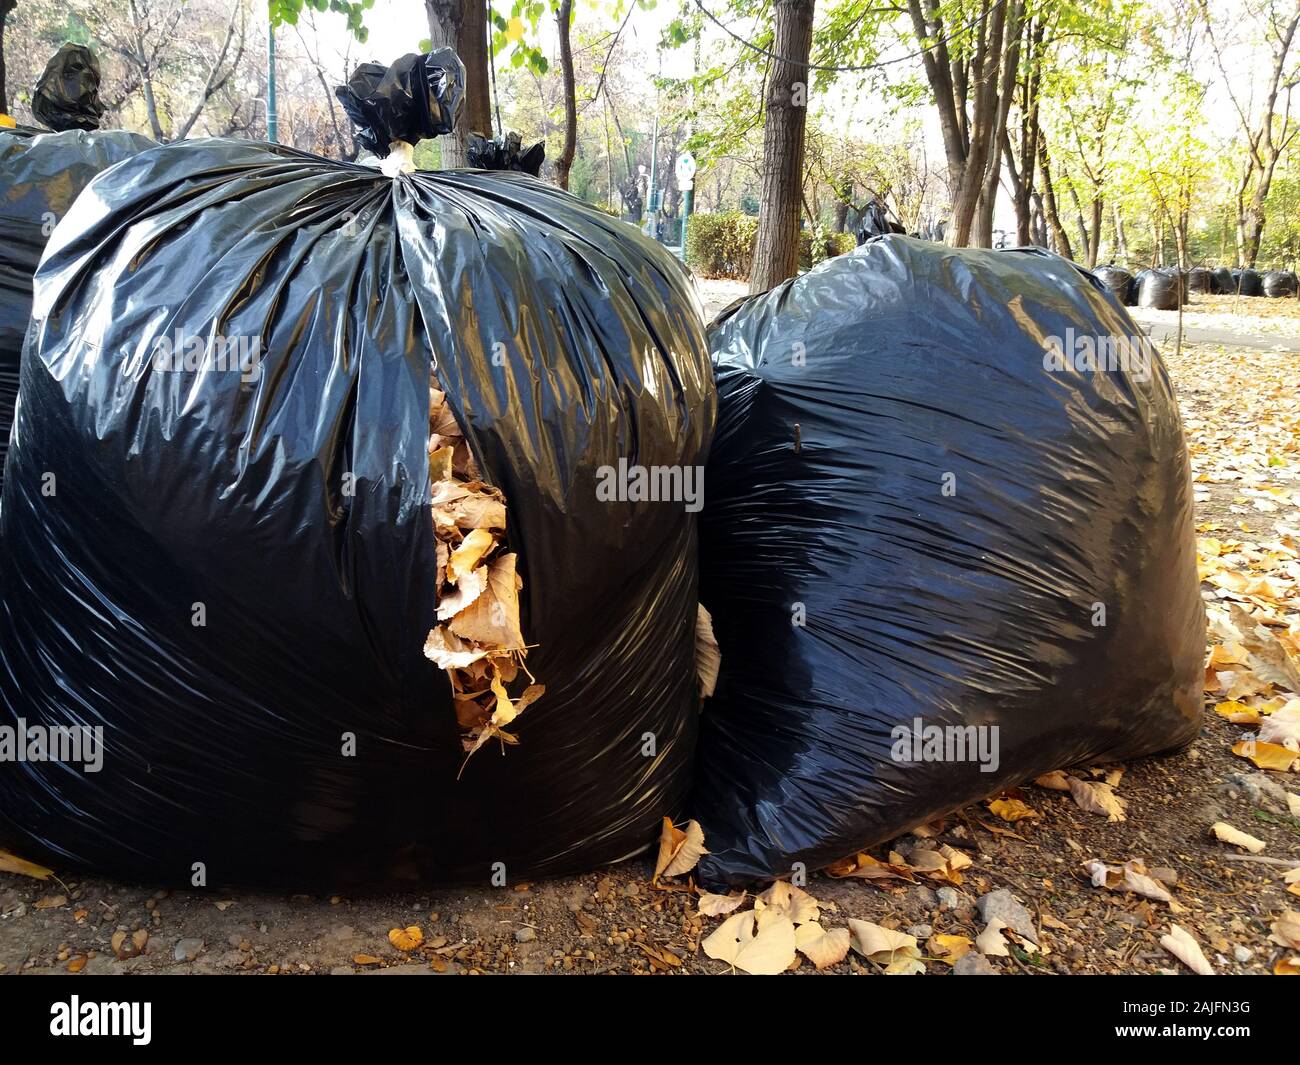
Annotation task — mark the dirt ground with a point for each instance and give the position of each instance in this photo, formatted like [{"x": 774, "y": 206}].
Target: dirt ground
[{"x": 1243, "y": 420}]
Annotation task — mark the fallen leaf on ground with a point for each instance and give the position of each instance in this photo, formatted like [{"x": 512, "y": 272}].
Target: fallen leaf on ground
[
  {"x": 1225, "y": 833},
  {"x": 949, "y": 948},
  {"x": 1012, "y": 809},
  {"x": 11, "y": 863},
  {"x": 710, "y": 905},
  {"x": 786, "y": 900},
  {"x": 406, "y": 939},
  {"x": 1095, "y": 798},
  {"x": 738, "y": 942},
  {"x": 1265, "y": 755},
  {"x": 820, "y": 946},
  {"x": 992, "y": 942},
  {"x": 1286, "y": 930},
  {"x": 897, "y": 951},
  {"x": 1182, "y": 946},
  {"x": 1131, "y": 876}
]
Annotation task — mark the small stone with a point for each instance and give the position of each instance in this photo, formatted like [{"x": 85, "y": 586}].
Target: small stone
[
  {"x": 949, "y": 898},
  {"x": 924, "y": 897},
  {"x": 973, "y": 963},
  {"x": 1242, "y": 954},
  {"x": 342, "y": 970},
  {"x": 920, "y": 931},
  {"x": 525, "y": 934},
  {"x": 1003, "y": 906},
  {"x": 187, "y": 949}
]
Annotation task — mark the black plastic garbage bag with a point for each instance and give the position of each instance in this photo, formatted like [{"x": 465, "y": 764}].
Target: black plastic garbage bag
[
  {"x": 1279, "y": 283},
  {"x": 1249, "y": 282},
  {"x": 67, "y": 94},
  {"x": 1224, "y": 283},
  {"x": 1116, "y": 280},
  {"x": 40, "y": 176},
  {"x": 1162, "y": 289},
  {"x": 403, "y": 102},
  {"x": 1200, "y": 280},
  {"x": 236, "y": 574},
  {"x": 505, "y": 153},
  {"x": 927, "y": 510}
]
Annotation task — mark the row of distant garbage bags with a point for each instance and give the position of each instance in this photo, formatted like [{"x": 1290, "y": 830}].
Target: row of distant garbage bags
[
  {"x": 944, "y": 531},
  {"x": 1164, "y": 288}
]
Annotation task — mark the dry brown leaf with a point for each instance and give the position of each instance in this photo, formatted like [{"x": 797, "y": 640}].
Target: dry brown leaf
[
  {"x": 493, "y": 617},
  {"x": 786, "y": 900},
  {"x": 1056, "y": 780},
  {"x": 820, "y": 946},
  {"x": 406, "y": 939},
  {"x": 679, "y": 849},
  {"x": 710, "y": 905},
  {"x": 1131, "y": 876},
  {"x": 949, "y": 948},
  {"x": 11, "y": 863},
  {"x": 992, "y": 942},
  {"x": 897, "y": 951},
  {"x": 1225, "y": 833},
  {"x": 467, "y": 589},
  {"x": 370, "y": 959},
  {"x": 1011, "y": 810},
  {"x": 1095, "y": 798},
  {"x": 708, "y": 658},
  {"x": 741, "y": 944},
  {"x": 1286, "y": 930},
  {"x": 1182, "y": 946},
  {"x": 469, "y": 554}
]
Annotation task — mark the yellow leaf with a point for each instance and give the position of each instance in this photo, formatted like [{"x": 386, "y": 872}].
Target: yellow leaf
[
  {"x": 469, "y": 554},
  {"x": 406, "y": 939},
  {"x": 1265, "y": 755},
  {"x": 11, "y": 863},
  {"x": 1287, "y": 966},
  {"x": 1012, "y": 809},
  {"x": 515, "y": 29},
  {"x": 949, "y": 948},
  {"x": 370, "y": 959}
]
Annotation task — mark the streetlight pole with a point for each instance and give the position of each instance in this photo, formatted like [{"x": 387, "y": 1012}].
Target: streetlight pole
[{"x": 272, "y": 119}]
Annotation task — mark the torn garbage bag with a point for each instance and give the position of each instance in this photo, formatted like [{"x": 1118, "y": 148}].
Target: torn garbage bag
[
  {"x": 238, "y": 572},
  {"x": 943, "y": 553},
  {"x": 41, "y": 174}
]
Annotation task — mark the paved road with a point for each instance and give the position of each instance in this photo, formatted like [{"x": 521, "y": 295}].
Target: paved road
[{"x": 1162, "y": 327}]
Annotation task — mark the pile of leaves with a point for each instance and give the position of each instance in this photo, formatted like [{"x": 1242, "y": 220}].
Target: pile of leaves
[{"x": 477, "y": 640}]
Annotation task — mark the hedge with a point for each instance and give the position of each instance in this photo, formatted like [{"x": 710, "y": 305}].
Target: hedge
[{"x": 722, "y": 245}]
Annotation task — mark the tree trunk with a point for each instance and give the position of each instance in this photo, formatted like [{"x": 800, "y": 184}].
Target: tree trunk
[
  {"x": 564, "y": 164},
  {"x": 462, "y": 25},
  {"x": 5, "y": 7},
  {"x": 776, "y": 247},
  {"x": 1094, "y": 236},
  {"x": 1121, "y": 241},
  {"x": 1050, "y": 213}
]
